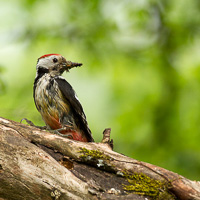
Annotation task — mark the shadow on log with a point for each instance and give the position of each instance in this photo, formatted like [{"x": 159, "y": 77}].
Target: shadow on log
[{"x": 36, "y": 164}]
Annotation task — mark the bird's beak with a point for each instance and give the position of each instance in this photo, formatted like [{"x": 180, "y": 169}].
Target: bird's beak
[{"x": 68, "y": 65}]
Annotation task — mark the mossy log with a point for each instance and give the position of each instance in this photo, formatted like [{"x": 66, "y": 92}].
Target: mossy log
[{"x": 36, "y": 164}]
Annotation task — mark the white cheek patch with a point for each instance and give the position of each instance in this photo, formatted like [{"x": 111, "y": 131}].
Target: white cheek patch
[{"x": 46, "y": 62}]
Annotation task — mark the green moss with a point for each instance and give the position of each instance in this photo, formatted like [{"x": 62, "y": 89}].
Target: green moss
[
  {"x": 94, "y": 154},
  {"x": 144, "y": 185},
  {"x": 97, "y": 158}
]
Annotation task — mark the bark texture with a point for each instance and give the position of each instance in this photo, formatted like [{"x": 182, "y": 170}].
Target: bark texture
[{"x": 36, "y": 164}]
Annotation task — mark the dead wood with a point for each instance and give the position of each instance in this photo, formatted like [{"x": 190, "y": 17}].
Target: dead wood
[{"x": 36, "y": 164}]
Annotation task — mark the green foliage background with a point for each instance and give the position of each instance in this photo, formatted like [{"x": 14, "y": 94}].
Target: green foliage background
[{"x": 141, "y": 72}]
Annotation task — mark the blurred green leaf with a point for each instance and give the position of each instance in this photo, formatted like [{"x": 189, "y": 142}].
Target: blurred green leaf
[{"x": 140, "y": 73}]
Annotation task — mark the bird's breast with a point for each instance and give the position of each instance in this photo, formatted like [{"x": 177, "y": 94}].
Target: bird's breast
[{"x": 50, "y": 101}]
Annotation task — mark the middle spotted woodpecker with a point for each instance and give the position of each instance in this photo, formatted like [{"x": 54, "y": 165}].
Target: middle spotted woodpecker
[{"x": 56, "y": 100}]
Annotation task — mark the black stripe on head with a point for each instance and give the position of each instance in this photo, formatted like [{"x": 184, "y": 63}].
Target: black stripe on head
[{"x": 42, "y": 70}]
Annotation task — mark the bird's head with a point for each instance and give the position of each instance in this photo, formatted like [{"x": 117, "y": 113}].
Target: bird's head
[{"x": 55, "y": 64}]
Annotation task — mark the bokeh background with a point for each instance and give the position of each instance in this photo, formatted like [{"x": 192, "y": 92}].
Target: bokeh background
[{"x": 141, "y": 72}]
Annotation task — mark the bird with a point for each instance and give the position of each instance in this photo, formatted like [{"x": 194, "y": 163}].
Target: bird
[{"x": 57, "y": 101}]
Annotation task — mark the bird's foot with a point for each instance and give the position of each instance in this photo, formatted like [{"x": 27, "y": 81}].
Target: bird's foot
[
  {"x": 60, "y": 134},
  {"x": 65, "y": 128},
  {"x": 30, "y": 123}
]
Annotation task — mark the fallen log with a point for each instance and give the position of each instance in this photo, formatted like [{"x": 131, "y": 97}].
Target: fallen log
[{"x": 36, "y": 164}]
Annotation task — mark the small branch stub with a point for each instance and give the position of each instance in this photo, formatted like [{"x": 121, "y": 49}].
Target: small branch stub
[{"x": 106, "y": 137}]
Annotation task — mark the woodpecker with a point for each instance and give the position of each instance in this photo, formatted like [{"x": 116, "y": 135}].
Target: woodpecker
[{"x": 56, "y": 100}]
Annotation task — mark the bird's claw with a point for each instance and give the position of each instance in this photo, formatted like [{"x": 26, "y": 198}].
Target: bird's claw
[
  {"x": 30, "y": 123},
  {"x": 60, "y": 134},
  {"x": 50, "y": 130},
  {"x": 27, "y": 121}
]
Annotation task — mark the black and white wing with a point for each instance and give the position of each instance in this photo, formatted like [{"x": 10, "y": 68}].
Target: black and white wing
[{"x": 71, "y": 97}]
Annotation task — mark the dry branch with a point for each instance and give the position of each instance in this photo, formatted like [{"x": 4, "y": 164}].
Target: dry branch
[{"x": 36, "y": 164}]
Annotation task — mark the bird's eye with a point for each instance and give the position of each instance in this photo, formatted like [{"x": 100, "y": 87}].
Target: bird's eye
[{"x": 55, "y": 60}]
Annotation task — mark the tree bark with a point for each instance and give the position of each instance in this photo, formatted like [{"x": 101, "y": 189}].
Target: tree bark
[{"x": 36, "y": 164}]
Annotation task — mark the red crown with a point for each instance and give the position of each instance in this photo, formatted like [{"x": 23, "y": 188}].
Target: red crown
[{"x": 47, "y": 55}]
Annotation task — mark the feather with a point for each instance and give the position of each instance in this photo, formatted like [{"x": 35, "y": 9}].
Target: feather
[{"x": 76, "y": 107}]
